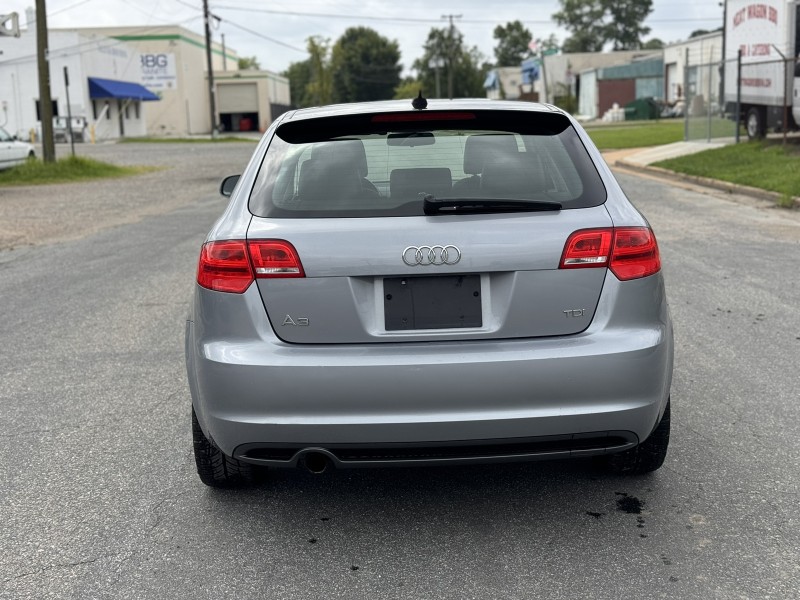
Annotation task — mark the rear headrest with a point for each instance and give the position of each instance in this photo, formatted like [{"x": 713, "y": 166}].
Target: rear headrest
[
  {"x": 483, "y": 148},
  {"x": 340, "y": 152},
  {"x": 329, "y": 182},
  {"x": 520, "y": 177}
]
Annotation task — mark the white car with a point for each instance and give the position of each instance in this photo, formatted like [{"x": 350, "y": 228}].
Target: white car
[{"x": 12, "y": 151}]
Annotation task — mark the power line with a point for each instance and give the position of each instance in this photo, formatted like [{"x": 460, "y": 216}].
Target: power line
[
  {"x": 243, "y": 28},
  {"x": 362, "y": 17},
  {"x": 101, "y": 42},
  {"x": 265, "y": 37}
]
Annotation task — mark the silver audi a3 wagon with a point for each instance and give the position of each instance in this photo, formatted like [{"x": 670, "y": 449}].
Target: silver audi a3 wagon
[{"x": 436, "y": 283}]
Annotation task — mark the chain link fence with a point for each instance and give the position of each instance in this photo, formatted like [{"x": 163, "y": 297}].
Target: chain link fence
[
  {"x": 705, "y": 116},
  {"x": 736, "y": 99}
]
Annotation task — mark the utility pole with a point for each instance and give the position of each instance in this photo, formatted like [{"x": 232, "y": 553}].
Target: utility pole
[
  {"x": 450, "y": 52},
  {"x": 45, "y": 100},
  {"x": 211, "y": 95},
  {"x": 224, "y": 54}
]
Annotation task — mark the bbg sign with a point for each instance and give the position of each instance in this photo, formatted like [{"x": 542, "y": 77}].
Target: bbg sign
[{"x": 158, "y": 71}]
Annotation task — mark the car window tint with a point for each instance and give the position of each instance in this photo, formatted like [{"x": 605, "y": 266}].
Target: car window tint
[{"x": 386, "y": 173}]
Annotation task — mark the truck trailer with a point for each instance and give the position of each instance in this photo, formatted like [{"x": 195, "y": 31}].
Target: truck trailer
[{"x": 767, "y": 33}]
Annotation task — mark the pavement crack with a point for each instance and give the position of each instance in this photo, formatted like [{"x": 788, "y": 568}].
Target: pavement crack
[
  {"x": 154, "y": 519},
  {"x": 67, "y": 565}
]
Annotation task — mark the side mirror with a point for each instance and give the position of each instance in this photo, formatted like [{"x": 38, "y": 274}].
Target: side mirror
[
  {"x": 227, "y": 185},
  {"x": 14, "y": 137}
]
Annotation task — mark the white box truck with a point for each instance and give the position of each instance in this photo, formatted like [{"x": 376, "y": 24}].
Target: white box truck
[{"x": 767, "y": 32}]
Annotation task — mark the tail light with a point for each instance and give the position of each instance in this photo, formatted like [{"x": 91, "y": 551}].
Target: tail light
[
  {"x": 630, "y": 252},
  {"x": 275, "y": 258},
  {"x": 231, "y": 266}
]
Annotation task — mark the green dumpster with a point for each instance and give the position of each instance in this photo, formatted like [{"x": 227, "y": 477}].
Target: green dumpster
[{"x": 641, "y": 109}]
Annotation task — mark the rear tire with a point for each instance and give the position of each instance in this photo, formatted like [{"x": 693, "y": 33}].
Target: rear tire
[
  {"x": 215, "y": 468},
  {"x": 647, "y": 456},
  {"x": 755, "y": 123}
]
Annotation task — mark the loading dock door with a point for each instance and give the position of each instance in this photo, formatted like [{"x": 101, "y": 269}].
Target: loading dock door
[
  {"x": 238, "y": 106},
  {"x": 238, "y": 98}
]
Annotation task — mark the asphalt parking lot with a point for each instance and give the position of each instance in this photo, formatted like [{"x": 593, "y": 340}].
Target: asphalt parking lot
[{"x": 98, "y": 493}]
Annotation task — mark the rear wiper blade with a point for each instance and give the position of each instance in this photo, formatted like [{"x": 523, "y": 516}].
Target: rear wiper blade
[{"x": 456, "y": 206}]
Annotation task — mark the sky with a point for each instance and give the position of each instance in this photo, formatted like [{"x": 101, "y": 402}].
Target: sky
[{"x": 276, "y": 32}]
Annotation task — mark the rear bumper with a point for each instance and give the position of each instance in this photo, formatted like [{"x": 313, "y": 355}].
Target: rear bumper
[
  {"x": 251, "y": 390},
  {"x": 439, "y": 453}
]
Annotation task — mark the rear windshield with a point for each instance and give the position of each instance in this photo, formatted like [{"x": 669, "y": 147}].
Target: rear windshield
[{"x": 384, "y": 165}]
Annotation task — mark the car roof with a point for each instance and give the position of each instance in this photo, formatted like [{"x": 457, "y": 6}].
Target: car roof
[{"x": 396, "y": 106}]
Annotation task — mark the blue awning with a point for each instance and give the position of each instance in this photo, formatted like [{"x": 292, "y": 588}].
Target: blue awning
[
  {"x": 531, "y": 68},
  {"x": 124, "y": 90}
]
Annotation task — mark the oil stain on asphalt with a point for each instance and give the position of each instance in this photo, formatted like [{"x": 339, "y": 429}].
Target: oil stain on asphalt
[{"x": 629, "y": 504}]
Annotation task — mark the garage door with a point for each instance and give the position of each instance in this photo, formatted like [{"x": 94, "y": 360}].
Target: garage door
[{"x": 237, "y": 98}]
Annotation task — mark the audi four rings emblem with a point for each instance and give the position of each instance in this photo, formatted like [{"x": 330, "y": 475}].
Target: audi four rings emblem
[{"x": 431, "y": 255}]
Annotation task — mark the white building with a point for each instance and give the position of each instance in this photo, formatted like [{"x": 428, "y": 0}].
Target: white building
[
  {"x": 173, "y": 64},
  {"x": 562, "y": 72},
  {"x": 504, "y": 83},
  {"x": 135, "y": 81},
  {"x": 105, "y": 84},
  {"x": 702, "y": 55}
]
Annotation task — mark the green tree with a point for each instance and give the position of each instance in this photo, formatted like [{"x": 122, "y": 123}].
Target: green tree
[
  {"x": 653, "y": 44},
  {"x": 595, "y": 23},
  {"x": 699, "y": 32},
  {"x": 549, "y": 43},
  {"x": 584, "y": 20},
  {"x": 299, "y": 76},
  {"x": 320, "y": 84},
  {"x": 462, "y": 71},
  {"x": 365, "y": 66},
  {"x": 408, "y": 89},
  {"x": 624, "y": 25},
  {"x": 512, "y": 44},
  {"x": 249, "y": 63}
]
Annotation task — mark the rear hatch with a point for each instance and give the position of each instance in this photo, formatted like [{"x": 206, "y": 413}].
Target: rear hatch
[{"x": 448, "y": 227}]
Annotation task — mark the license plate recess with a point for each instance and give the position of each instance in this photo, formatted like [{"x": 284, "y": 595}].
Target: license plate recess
[{"x": 435, "y": 302}]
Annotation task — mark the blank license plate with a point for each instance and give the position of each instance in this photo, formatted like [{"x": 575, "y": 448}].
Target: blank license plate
[{"x": 437, "y": 302}]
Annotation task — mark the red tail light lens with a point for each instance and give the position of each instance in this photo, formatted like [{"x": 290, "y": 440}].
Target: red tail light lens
[
  {"x": 635, "y": 253},
  {"x": 275, "y": 258},
  {"x": 224, "y": 267},
  {"x": 231, "y": 266},
  {"x": 587, "y": 248},
  {"x": 630, "y": 252}
]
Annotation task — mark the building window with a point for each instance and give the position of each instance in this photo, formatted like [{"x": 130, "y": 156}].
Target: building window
[
  {"x": 136, "y": 109},
  {"x": 127, "y": 116},
  {"x": 108, "y": 110},
  {"x": 94, "y": 110}
]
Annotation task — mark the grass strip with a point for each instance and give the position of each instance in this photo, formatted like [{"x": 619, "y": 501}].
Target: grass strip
[
  {"x": 642, "y": 134},
  {"x": 184, "y": 140},
  {"x": 767, "y": 165},
  {"x": 73, "y": 168},
  {"x": 636, "y": 135}
]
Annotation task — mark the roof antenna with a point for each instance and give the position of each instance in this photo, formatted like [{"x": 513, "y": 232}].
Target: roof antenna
[{"x": 419, "y": 102}]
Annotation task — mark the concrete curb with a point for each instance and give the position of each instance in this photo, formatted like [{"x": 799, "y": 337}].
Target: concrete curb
[{"x": 716, "y": 184}]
